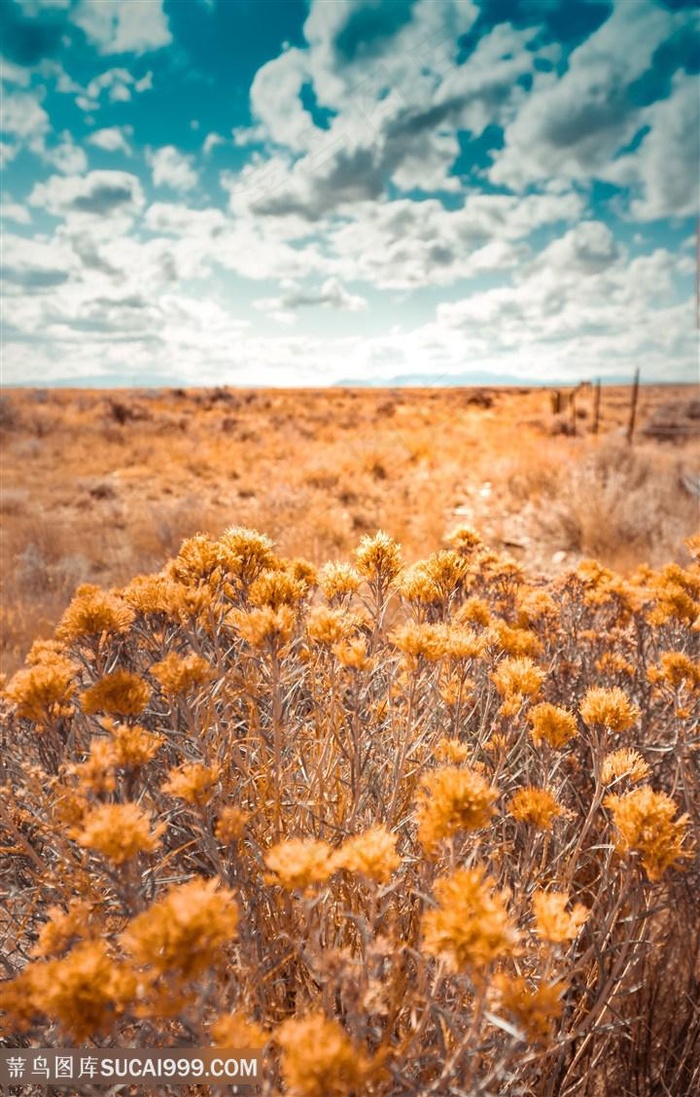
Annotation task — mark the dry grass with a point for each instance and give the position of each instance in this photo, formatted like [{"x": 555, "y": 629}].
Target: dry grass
[
  {"x": 413, "y": 830},
  {"x": 97, "y": 487}
]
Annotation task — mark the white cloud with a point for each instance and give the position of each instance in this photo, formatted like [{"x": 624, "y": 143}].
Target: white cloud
[
  {"x": 13, "y": 211},
  {"x": 113, "y": 139},
  {"x": 14, "y": 74},
  {"x": 211, "y": 141},
  {"x": 274, "y": 98},
  {"x": 572, "y": 125},
  {"x": 99, "y": 194},
  {"x": 116, "y": 82},
  {"x": 665, "y": 167},
  {"x": 331, "y": 295},
  {"x": 23, "y": 116},
  {"x": 7, "y": 153},
  {"x": 171, "y": 168},
  {"x": 68, "y": 158},
  {"x": 121, "y": 26}
]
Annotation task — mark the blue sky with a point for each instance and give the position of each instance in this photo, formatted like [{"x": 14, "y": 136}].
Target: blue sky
[{"x": 279, "y": 192}]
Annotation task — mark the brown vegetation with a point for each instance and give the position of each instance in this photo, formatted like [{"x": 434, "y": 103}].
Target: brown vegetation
[
  {"x": 98, "y": 486},
  {"x": 413, "y": 830}
]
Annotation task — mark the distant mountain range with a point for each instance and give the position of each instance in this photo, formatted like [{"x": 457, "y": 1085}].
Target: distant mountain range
[{"x": 481, "y": 380}]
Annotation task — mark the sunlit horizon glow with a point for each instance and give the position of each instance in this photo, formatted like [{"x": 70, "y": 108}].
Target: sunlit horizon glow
[{"x": 357, "y": 192}]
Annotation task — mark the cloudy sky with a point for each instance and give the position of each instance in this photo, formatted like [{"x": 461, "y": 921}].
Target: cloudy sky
[{"x": 282, "y": 192}]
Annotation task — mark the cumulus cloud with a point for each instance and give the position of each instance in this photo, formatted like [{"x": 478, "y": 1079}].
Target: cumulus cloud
[
  {"x": 66, "y": 157},
  {"x": 331, "y": 295},
  {"x": 22, "y": 116},
  {"x": 113, "y": 139},
  {"x": 13, "y": 211},
  {"x": 573, "y": 125},
  {"x": 664, "y": 170},
  {"x": 171, "y": 168},
  {"x": 118, "y": 27},
  {"x": 100, "y": 194}
]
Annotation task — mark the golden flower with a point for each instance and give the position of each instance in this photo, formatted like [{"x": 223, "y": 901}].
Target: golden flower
[
  {"x": 338, "y": 581},
  {"x": 92, "y": 612},
  {"x": 63, "y": 928},
  {"x": 614, "y": 663},
  {"x": 43, "y": 692},
  {"x": 464, "y": 540},
  {"x": 97, "y": 771},
  {"x": 178, "y": 674},
  {"x": 419, "y": 641},
  {"x": 518, "y": 677},
  {"x": 352, "y": 653},
  {"x": 319, "y": 1059},
  {"x": 535, "y": 1009},
  {"x": 247, "y": 553},
  {"x": 118, "y": 832},
  {"x": 303, "y": 571},
  {"x": 296, "y": 863},
  {"x": 514, "y": 641},
  {"x": 192, "y": 782},
  {"x": 470, "y": 927},
  {"x": 552, "y": 724},
  {"x": 85, "y": 991},
  {"x": 199, "y": 559},
  {"x": 552, "y": 921},
  {"x": 451, "y": 750},
  {"x": 451, "y": 799},
  {"x": 536, "y": 607},
  {"x": 371, "y": 854},
  {"x": 535, "y": 805},
  {"x": 326, "y": 625},
  {"x": 462, "y": 644},
  {"x": 154, "y": 594},
  {"x": 435, "y": 579},
  {"x": 121, "y": 693},
  {"x": 262, "y": 627},
  {"x": 233, "y": 1030},
  {"x": 276, "y": 589},
  {"x": 625, "y": 763},
  {"x": 677, "y": 594},
  {"x": 644, "y": 824},
  {"x": 49, "y": 652},
  {"x": 610, "y": 708},
  {"x": 185, "y": 931},
  {"x": 378, "y": 557},
  {"x": 132, "y": 745},
  {"x": 676, "y": 669},
  {"x": 230, "y": 825},
  {"x": 474, "y": 611}
]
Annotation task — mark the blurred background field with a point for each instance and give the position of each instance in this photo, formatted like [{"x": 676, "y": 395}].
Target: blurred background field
[{"x": 99, "y": 486}]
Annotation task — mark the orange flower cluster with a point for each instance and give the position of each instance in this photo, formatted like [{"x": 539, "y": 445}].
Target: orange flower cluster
[
  {"x": 319, "y": 1059},
  {"x": 179, "y": 674},
  {"x": 451, "y": 799},
  {"x": 185, "y": 931},
  {"x": 120, "y": 693},
  {"x": 470, "y": 928},
  {"x": 645, "y": 824}
]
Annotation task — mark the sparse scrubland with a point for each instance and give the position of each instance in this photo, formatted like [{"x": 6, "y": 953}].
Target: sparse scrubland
[
  {"x": 424, "y": 827},
  {"x": 97, "y": 487}
]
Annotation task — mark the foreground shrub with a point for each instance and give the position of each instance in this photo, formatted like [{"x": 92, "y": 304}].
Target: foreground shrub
[{"x": 427, "y": 830}]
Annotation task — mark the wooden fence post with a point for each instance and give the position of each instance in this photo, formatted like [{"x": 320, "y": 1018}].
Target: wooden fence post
[
  {"x": 633, "y": 406},
  {"x": 596, "y": 406}
]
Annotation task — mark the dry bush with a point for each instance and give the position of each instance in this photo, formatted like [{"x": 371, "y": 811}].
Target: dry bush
[
  {"x": 622, "y": 505},
  {"x": 412, "y": 830},
  {"x": 622, "y": 502}
]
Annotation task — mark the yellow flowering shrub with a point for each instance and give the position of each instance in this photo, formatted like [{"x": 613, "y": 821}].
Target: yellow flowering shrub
[{"x": 410, "y": 828}]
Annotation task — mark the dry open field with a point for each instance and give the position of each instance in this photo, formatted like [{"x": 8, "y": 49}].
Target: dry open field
[{"x": 99, "y": 486}]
